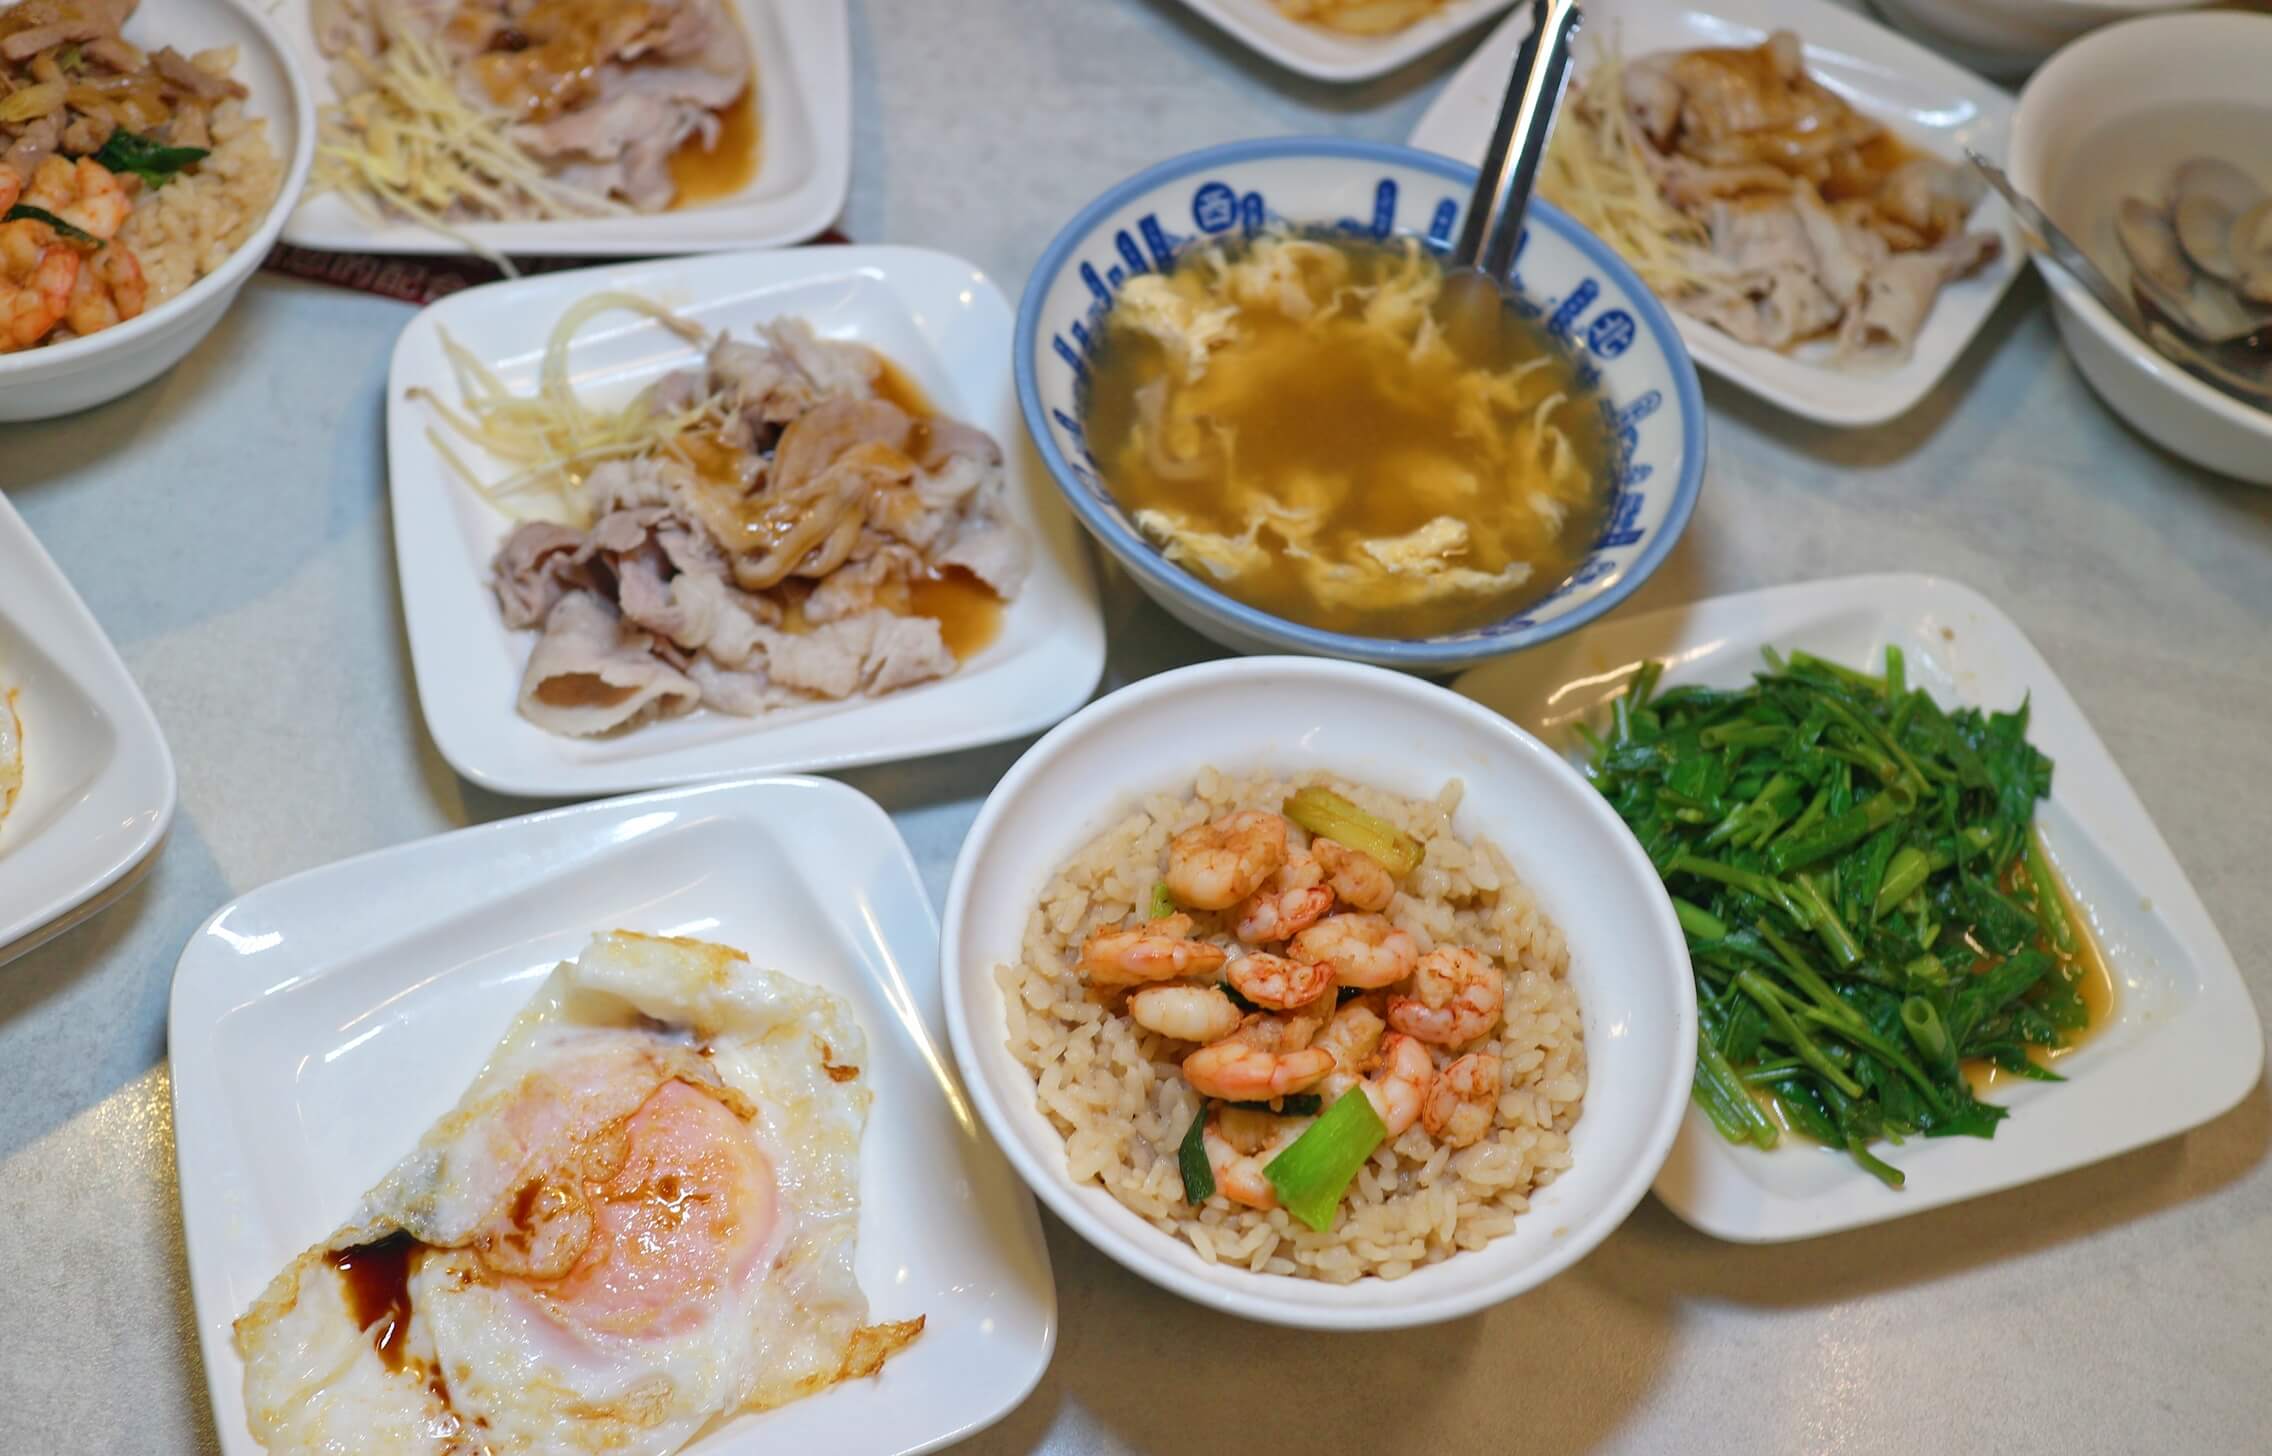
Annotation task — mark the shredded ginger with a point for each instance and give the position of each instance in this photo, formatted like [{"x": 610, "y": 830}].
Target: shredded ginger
[
  {"x": 410, "y": 141},
  {"x": 1596, "y": 171},
  {"x": 552, "y": 438}
]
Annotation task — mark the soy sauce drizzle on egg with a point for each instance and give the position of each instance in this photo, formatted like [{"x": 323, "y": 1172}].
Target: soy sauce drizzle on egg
[{"x": 377, "y": 1280}]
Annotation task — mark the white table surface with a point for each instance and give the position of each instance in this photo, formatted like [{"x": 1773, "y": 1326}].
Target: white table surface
[{"x": 227, "y": 524}]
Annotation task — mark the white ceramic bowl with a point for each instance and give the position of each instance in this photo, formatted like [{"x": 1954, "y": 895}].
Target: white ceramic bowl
[
  {"x": 2010, "y": 38},
  {"x": 36, "y": 384},
  {"x": 1628, "y": 961},
  {"x": 2127, "y": 73},
  {"x": 1583, "y": 291}
]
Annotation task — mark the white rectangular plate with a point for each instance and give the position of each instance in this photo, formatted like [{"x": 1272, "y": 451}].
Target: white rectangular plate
[
  {"x": 1928, "y": 102},
  {"x": 938, "y": 318},
  {"x": 98, "y": 790},
  {"x": 802, "y": 51},
  {"x": 1328, "y": 55},
  {"x": 2184, "y": 1045},
  {"x": 320, "y": 1024}
]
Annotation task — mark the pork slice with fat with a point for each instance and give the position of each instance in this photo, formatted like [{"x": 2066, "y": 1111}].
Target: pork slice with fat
[
  {"x": 541, "y": 562},
  {"x": 591, "y": 672}
]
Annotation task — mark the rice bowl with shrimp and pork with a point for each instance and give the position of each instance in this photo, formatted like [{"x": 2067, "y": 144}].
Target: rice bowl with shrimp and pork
[
  {"x": 126, "y": 173},
  {"x": 1301, "y": 1024}
]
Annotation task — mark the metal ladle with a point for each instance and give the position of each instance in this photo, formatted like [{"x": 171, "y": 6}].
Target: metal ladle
[{"x": 1478, "y": 288}]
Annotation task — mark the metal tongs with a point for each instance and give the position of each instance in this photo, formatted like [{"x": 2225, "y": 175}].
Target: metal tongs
[{"x": 1479, "y": 288}]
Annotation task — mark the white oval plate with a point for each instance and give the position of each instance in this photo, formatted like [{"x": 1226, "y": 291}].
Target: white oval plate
[
  {"x": 98, "y": 788},
  {"x": 1328, "y": 55},
  {"x": 803, "y": 56},
  {"x": 321, "y": 1023},
  {"x": 1928, "y": 102},
  {"x": 938, "y": 318},
  {"x": 2184, "y": 1045}
]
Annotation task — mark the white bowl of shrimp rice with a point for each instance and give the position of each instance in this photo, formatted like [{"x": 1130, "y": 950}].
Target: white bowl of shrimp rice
[
  {"x": 1317, "y": 994},
  {"x": 224, "y": 87}
]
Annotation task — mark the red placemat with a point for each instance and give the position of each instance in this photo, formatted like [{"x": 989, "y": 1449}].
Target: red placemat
[{"x": 420, "y": 278}]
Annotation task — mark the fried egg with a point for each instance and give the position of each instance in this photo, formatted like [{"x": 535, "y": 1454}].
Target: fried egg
[{"x": 639, "y": 1220}]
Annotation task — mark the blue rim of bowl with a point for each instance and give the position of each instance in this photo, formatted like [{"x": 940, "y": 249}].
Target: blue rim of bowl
[{"x": 1139, "y": 555}]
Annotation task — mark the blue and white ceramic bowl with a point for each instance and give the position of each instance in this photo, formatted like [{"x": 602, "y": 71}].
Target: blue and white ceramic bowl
[{"x": 1583, "y": 292}]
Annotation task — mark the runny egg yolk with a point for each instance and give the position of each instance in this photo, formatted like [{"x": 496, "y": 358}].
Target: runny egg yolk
[{"x": 681, "y": 1222}]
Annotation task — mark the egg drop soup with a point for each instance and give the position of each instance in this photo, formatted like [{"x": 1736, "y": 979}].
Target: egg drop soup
[{"x": 1290, "y": 419}]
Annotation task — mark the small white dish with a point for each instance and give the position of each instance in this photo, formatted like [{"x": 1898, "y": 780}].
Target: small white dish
[
  {"x": 320, "y": 1024},
  {"x": 58, "y": 379},
  {"x": 98, "y": 787},
  {"x": 802, "y": 51},
  {"x": 1928, "y": 102},
  {"x": 1330, "y": 55},
  {"x": 2131, "y": 89},
  {"x": 1628, "y": 963},
  {"x": 938, "y": 318},
  {"x": 2184, "y": 1045}
]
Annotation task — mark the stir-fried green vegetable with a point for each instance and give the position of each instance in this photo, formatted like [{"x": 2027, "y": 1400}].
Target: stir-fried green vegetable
[
  {"x": 1322, "y": 811},
  {"x": 1191, "y": 1157},
  {"x": 1316, "y": 1168},
  {"x": 154, "y": 162},
  {"x": 25, "y": 212},
  {"x": 1865, "y": 899},
  {"x": 1163, "y": 903}
]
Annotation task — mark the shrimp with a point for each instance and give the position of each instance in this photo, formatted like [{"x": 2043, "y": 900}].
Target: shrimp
[
  {"x": 37, "y": 271},
  {"x": 1240, "y": 1142},
  {"x": 1463, "y": 1101},
  {"x": 11, "y": 187},
  {"x": 1364, "y": 950},
  {"x": 1456, "y": 998},
  {"x": 1268, "y": 1056},
  {"x": 85, "y": 194},
  {"x": 1398, "y": 1086},
  {"x": 1353, "y": 1035},
  {"x": 1269, "y": 980},
  {"x": 1221, "y": 862},
  {"x": 1157, "y": 950},
  {"x": 1362, "y": 882},
  {"x": 1185, "y": 1013},
  {"x": 1292, "y": 900},
  {"x": 110, "y": 290}
]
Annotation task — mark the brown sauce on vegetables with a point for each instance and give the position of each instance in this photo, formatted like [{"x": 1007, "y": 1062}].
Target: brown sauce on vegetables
[
  {"x": 706, "y": 173},
  {"x": 377, "y": 1281},
  {"x": 2085, "y": 969}
]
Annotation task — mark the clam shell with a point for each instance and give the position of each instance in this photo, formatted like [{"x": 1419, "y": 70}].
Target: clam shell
[
  {"x": 2151, "y": 245},
  {"x": 2250, "y": 243},
  {"x": 2206, "y": 195}
]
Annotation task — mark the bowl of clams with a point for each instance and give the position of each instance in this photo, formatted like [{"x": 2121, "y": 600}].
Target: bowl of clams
[{"x": 2150, "y": 143}]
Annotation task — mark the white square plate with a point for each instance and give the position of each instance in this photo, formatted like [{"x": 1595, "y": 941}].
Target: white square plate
[
  {"x": 938, "y": 318},
  {"x": 1928, "y": 102},
  {"x": 320, "y": 1024},
  {"x": 1328, "y": 55},
  {"x": 2184, "y": 1045},
  {"x": 98, "y": 789},
  {"x": 802, "y": 51}
]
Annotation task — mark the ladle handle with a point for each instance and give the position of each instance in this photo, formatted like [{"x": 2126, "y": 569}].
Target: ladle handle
[{"x": 1495, "y": 214}]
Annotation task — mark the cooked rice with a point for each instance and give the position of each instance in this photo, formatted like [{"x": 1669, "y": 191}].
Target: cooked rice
[
  {"x": 1115, "y": 1092},
  {"x": 182, "y": 231}
]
